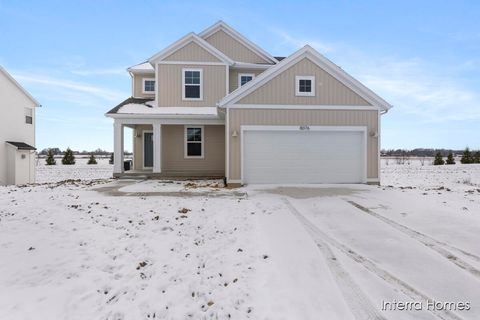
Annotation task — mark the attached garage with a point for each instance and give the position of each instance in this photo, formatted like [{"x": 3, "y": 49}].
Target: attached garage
[{"x": 304, "y": 154}]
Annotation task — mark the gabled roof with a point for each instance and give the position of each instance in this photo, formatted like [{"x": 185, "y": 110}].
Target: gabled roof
[
  {"x": 190, "y": 37},
  {"x": 322, "y": 62},
  {"x": 25, "y": 92},
  {"x": 21, "y": 145},
  {"x": 220, "y": 25}
]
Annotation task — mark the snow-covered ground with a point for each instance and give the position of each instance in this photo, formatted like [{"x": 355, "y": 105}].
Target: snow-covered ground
[
  {"x": 81, "y": 170},
  {"x": 125, "y": 249}
]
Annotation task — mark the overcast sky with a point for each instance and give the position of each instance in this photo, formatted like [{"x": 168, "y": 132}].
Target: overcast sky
[{"x": 421, "y": 56}]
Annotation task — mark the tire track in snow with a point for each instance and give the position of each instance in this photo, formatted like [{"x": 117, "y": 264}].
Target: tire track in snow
[
  {"x": 359, "y": 304},
  {"x": 427, "y": 241},
  {"x": 389, "y": 278}
]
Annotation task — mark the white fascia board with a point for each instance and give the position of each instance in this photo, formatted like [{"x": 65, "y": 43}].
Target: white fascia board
[
  {"x": 162, "y": 116},
  {"x": 322, "y": 62},
  {"x": 190, "y": 37},
  {"x": 220, "y": 25},
  {"x": 303, "y": 107},
  {"x": 245, "y": 65},
  {"x": 25, "y": 92}
]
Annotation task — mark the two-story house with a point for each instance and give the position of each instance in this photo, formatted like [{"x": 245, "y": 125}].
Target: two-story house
[
  {"x": 17, "y": 132},
  {"x": 214, "y": 104}
]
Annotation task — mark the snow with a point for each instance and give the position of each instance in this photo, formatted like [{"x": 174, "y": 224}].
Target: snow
[
  {"x": 81, "y": 170},
  {"x": 99, "y": 248},
  {"x": 135, "y": 108},
  {"x": 145, "y": 66}
]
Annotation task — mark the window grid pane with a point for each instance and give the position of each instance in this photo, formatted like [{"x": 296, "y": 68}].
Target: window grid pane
[
  {"x": 305, "y": 85},
  {"x": 149, "y": 85},
  {"x": 245, "y": 79}
]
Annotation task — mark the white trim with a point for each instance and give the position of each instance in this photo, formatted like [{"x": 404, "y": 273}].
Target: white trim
[
  {"x": 227, "y": 80},
  {"x": 240, "y": 75},
  {"x": 182, "y": 42},
  {"x": 206, "y": 63},
  {"x": 314, "y": 56},
  {"x": 302, "y": 107},
  {"x": 143, "y": 148},
  {"x": 373, "y": 180},
  {"x": 201, "y": 84},
  {"x": 157, "y": 147},
  {"x": 246, "y": 65},
  {"x": 22, "y": 89},
  {"x": 227, "y": 144},
  {"x": 151, "y": 120},
  {"x": 298, "y": 93},
  {"x": 185, "y": 142},
  {"x": 244, "y": 128},
  {"x": 157, "y": 84},
  {"x": 143, "y": 85},
  {"x": 220, "y": 25},
  {"x": 379, "y": 145}
]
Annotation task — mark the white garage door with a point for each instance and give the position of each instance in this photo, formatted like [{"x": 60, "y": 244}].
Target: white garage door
[{"x": 303, "y": 156}]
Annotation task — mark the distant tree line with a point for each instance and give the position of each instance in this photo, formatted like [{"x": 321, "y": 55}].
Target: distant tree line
[
  {"x": 419, "y": 152},
  {"x": 58, "y": 152}
]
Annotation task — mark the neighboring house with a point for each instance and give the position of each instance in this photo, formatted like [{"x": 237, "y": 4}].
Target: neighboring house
[
  {"x": 17, "y": 132},
  {"x": 214, "y": 104}
]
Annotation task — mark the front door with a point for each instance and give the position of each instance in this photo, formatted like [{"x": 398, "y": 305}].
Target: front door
[{"x": 147, "y": 149}]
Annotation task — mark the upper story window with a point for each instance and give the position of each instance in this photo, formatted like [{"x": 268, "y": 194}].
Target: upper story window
[
  {"x": 192, "y": 84},
  {"x": 149, "y": 85},
  {"x": 305, "y": 86},
  {"x": 244, "y": 78},
  {"x": 28, "y": 116}
]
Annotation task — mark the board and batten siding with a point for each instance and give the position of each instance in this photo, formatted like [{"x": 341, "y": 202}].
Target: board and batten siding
[
  {"x": 233, "y": 49},
  {"x": 173, "y": 161},
  {"x": 170, "y": 85},
  {"x": 301, "y": 117},
  {"x": 192, "y": 52},
  {"x": 138, "y": 85},
  {"x": 281, "y": 89},
  {"x": 233, "y": 76}
]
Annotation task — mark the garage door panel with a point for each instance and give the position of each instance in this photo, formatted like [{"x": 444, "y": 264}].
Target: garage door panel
[{"x": 303, "y": 156}]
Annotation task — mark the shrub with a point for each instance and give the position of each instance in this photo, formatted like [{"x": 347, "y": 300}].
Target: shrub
[
  {"x": 92, "y": 159},
  {"x": 476, "y": 157},
  {"x": 438, "y": 160},
  {"x": 111, "y": 159},
  {"x": 68, "y": 157},
  {"x": 467, "y": 156},
  {"x": 450, "y": 159},
  {"x": 50, "y": 158}
]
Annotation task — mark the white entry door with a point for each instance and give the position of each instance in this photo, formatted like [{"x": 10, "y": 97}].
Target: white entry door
[{"x": 312, "y": 155}]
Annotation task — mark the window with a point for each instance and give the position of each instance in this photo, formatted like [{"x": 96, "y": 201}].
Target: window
[
  {"x": 305, "y": 86},
  {"x": 28, "y": 116},
  {"x": 192, "y": 84},
  {"x": 244, "y": 78},
  {"x": 148, "y": 85},
  {"x": 194, "y": 142}
]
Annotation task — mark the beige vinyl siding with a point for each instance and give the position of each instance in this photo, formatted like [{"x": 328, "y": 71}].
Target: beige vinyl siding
[
  {"x": 138, "y": 85},
  {"x": 173, "y": 141},
  {"x": 192, "y": 52},
  {"x": 173, "y": 160},
  {"x": 281, "y": 89},
  {"x": 233, "y": 48},
  {"x": 233, "y": 76},
  {"x": 170, "y": 85},
  {"x": 299, "y": 117}
]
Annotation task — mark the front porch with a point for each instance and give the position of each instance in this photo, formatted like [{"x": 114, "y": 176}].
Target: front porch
[{"x": 161, "y": 150}]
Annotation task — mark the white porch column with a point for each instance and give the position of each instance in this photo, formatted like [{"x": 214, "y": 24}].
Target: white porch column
[
  {"x": 157, "y": 147},
  {"x": 117, "y": 147}
]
